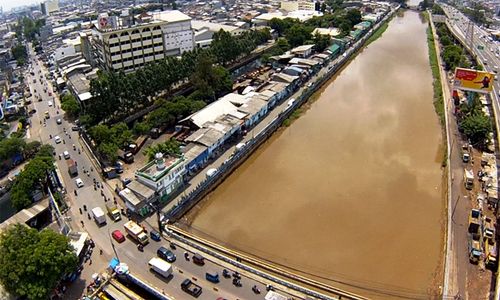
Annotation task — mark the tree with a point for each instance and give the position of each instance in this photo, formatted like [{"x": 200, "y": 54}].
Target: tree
[
  {"x": 283, "y": 44},
  {"x": 353, "y": 16},
  {"x": 321, "y": 42},
  {"x": 70, "y": 105},
  {"x": 19, "y": 53},
  {"x": 298, "y": 34},
  {"x": 32, "y": 263},
  {"x": 11, "y": 146},
  {"x": 452, "y": 56},
  {"x": 170, "y": 147},
  {"x": 31, "y": 149},
  {"x": 109, "y": 151},
  {"x": 477, "y": 127},
  {"x": 323, "y": 7},
  {"x": 141, "y": 128}
]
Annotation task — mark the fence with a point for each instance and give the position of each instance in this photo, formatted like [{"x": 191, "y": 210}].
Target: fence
[{"x": 227, "y": 167}]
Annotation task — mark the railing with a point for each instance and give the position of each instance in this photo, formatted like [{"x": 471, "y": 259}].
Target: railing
[{"x": 237, "y": 263}]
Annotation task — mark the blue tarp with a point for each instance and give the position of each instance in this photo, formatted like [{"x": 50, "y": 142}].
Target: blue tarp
[{"x": 113, "y": 263}]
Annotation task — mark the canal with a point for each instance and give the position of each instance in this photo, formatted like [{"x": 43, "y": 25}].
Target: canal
[{"x": 351, "y": 193}]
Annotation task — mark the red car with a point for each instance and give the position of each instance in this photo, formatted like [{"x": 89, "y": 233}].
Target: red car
[{"x": 118, "y": 236}]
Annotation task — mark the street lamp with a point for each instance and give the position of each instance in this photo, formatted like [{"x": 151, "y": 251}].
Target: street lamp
[{"x": 113, "y": 245}]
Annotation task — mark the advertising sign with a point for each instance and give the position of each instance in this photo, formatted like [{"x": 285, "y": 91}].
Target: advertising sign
[{"x": 473, "y": 80}]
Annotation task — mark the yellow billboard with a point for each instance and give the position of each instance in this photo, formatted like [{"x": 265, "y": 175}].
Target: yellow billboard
[{"x": 473, "y": 80}]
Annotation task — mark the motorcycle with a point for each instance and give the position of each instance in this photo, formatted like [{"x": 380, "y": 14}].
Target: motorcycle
[
  {"x": 237, "y": 282},
  {"x": 140, "y": 247},
  {"x": 255, "y": 289},
  {"x": 172, "y": 246},
  {"x": 226, "y": 274},
  {"x": 76, "y": 193},
  {"x": 85, "y": 207}
]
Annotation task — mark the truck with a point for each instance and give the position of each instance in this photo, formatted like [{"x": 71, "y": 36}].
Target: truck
[
  {"x": 465, "y": 153},
  {"x": 126, "y": 156},
  {"x": 490, "y": 250},
  {"x": 468, "y": 179},
  {"x": 475, "y": 222},
  {"x": 488, "y": 229},
  {"x": 113, "y": 211},
  {"x": 72, "y": 168},
  {"x": 99, "y": 216},
  {"x": 136, "y": 232},
  {"x": 191, "y": 288},
  {"x": 475, "y": 251},
  {"x": 160, "y": 266}
]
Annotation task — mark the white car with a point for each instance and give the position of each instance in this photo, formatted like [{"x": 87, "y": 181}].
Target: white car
[
  {"x": 79, "y": 182},
  {"x": 57, "y": 139},
  {"x": 50, "y": 103},
  {"x": 66, "y": 154}
]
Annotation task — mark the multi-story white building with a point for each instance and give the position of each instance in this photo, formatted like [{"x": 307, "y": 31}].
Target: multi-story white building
[
  {"x": 297, "y": 5},
  {"x": 166, "y": 33},
  {"x": 49, "y": 6},
  {"x": 163, "y": 175}
]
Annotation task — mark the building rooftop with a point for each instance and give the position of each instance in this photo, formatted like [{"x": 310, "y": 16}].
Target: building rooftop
[
  {"x": 214, "y": 27},
  {"x": 141, "y": 189},
  {"x": 170, "y": 16},
  {"x": 332, "y": 31},
  {"x": 206, "y": 136},
  {"x": 154, "y": 171},
  {"x": 130, "y": 197}
]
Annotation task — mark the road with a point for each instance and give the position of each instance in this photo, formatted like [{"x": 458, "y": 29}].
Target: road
[
  {"x": 465, "y": 279},
  {"x": 44, "y": 130}
]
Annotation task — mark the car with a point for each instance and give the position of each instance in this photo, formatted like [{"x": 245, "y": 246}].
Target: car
[
  {"x": 75, "y": 128},
  {"x": 59, "y": 121},
  {"x": 155, "y": 235},
  {"x": 66, "y": 154},
  {"x": 165, "y": 254},
  {"x": 79, "y": 182},
  {"x": 57, "y": 139},
  {"x": 50, "y": 103},
  {"x": 32, "y": 111},
  {"x": 118, "y": 236}
]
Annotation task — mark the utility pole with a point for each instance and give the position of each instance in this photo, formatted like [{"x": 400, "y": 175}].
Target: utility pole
[{"x": 469, "y": 36}]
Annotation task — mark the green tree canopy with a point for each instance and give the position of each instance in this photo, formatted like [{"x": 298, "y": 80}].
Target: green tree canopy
[
  {"x": 170, "y": 147},
  {"x": 477, "y": 127},
  {"x": 19, "y": 53},
  {"x": 32, "y": 263},
  {"x": 70, "y": 105},
  {"x": 11, "y": 146},
  {"x": 321, "y": 42}
]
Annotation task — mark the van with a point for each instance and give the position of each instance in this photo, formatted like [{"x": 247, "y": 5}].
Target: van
[
  {"x": 198, "y": 259},
  {"x": 212, "y": 276}
]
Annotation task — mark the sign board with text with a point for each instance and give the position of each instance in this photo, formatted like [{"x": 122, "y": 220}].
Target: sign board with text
[{"x": 473, "y": 80}]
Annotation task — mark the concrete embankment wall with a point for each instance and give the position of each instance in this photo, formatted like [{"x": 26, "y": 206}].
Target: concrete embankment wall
[{"x": 209, "y": 184}]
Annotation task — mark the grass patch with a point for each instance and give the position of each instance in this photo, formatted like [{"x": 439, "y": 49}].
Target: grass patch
[
  {"x": 437, "y": 87},
  {"x": 294, "y": 116},
  {"x": 378, "y": 33}
]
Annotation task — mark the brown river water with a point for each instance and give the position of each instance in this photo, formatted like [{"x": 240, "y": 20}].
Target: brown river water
[{"x": 351, "y": 192}]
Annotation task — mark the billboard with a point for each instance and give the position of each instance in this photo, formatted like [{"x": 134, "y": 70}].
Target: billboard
[{"x": 473, "y": 80}]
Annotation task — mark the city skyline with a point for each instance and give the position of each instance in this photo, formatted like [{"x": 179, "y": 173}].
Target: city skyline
[{"x": 9, "y": 4}]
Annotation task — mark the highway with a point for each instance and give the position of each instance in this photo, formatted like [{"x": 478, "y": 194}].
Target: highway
[{"x": 45, "y": 130}]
